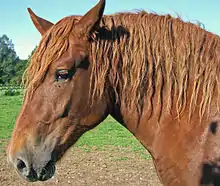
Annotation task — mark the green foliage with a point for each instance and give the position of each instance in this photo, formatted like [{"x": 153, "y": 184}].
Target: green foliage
[
  {"x": 19, "y": 68},
  {"x": 8, "y": 60},
  {"x": 11, "y": 67},
  {"x": 11, "y": 92}
]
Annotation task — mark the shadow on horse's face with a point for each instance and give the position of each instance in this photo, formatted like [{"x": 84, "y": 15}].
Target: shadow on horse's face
[{"x": 57, "y": 113}]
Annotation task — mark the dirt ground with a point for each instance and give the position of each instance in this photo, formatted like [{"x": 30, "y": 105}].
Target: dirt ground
[{"x": 116, "y": 166}]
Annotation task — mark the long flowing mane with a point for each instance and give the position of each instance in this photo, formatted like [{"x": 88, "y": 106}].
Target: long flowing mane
[
  {"x": 142, "y": 55},
  {"x": 154, "y": 57}
]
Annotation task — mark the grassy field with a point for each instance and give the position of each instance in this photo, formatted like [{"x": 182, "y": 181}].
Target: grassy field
[{"x": 109, "y": 134}]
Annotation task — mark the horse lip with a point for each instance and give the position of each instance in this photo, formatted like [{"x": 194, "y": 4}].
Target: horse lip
[{"x": 26, "y": 178}]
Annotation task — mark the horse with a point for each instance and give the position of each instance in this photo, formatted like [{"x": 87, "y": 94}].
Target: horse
[{"x": 157, "y": 75}]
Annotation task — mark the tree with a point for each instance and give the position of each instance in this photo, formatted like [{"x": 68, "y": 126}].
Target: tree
[
  {"x": 20, "y": 68},
  {"x": 8, "y": 60},
  {"x": 11, "y": 67}
]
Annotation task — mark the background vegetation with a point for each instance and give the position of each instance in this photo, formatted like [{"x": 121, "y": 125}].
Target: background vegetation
[{"x": 11, "y": 67}]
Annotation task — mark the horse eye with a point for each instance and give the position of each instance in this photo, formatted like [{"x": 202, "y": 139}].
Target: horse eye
[{"x": 62, "y": 75}]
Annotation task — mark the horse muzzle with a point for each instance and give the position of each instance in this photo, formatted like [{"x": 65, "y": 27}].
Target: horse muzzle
[
  {"x": 31, "y": 174},
  {"x": 36, "y": 167}
]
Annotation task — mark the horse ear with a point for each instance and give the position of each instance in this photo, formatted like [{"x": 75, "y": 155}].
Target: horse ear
[
  {"x": 41, "y": 24},
  {"x": 91, "y": 19}
]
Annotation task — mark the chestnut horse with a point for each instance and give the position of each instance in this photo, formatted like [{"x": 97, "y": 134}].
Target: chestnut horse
[{"x": 156, "y": 75}]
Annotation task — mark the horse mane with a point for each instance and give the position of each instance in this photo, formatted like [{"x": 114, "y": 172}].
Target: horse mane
[{"x": 143, "y": 56}]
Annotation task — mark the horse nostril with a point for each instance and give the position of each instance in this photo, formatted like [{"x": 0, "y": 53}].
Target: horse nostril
[
  {"x": 47, "y": 172},
  {"x": 21, "y": 165},
  {"x": 25, "y": 171}
]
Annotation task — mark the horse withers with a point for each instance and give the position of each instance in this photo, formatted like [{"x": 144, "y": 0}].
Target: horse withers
[{"x": 156, "y": 75}]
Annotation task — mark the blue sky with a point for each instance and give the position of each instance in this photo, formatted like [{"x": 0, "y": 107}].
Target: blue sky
[{"x": 16, "y": 24}]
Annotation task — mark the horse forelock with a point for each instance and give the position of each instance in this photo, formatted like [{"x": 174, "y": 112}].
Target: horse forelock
[{"x": 52, "y": 46}]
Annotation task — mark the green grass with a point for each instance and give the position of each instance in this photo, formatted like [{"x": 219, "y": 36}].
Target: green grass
[
  {"x": 10, "y": 106},
  {"x": 109, "y": 132},
  {"x": 108, "y": 135}
]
